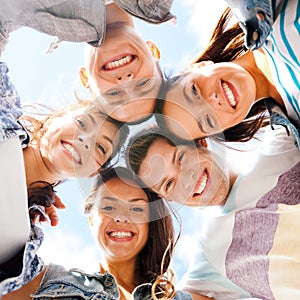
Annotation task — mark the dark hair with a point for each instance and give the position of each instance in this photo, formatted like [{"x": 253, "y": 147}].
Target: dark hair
[
  {"x": 225, "y": 45},
  {"x": 155, "y": 257}
]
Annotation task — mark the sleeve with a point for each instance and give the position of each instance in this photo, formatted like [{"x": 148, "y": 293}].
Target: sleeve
[
  {"x": 153, "y": 11},
  {"x": 10, "y": 108},
  {"x": 25, "y": 266},
  {"x": 68, "y": 20},
  {"x": 256, "y": 19}
]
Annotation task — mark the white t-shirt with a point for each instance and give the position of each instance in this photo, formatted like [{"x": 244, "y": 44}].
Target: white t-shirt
[{"x": 249, "y": 248}]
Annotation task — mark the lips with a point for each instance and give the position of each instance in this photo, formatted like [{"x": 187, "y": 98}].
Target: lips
[
  {"x": 230, "y": 94},
  {"x": 117, "y": 62},
  {"x": 121, "y": 235},
  {"x": 201, "y": 184},
  {"x": 73, "y": 154}
]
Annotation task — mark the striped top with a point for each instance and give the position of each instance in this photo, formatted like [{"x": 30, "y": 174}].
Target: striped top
[
  {"x": 249, "y": 248},
  {"x": 283, "y": 52}
]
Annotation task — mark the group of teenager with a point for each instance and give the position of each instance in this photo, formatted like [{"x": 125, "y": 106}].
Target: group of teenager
[{"x": 245, "y": 81}]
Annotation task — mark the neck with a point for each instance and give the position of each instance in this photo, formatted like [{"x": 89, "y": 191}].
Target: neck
[
  {"x": 124, "y": 272},
  {"x": 256, "y": 64},
  {"x": 115, "y": 14},
  {"x": 36, "y": 166}
]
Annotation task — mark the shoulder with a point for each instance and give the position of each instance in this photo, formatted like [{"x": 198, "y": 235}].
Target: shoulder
[{"x": 58, "y": 281}]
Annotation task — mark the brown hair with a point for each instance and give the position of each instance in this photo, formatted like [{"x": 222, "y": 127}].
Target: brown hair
[
  {"x": 226, "y": 44},
  {"x": 155, "y": 257}
]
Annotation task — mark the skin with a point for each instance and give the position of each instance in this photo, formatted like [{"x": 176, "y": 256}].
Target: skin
[
  {"x": 200, "y": 100},
  {"x": 123, "y": 208},
  {"x": 74, "y": 145},
  {"x": 94, "y": 139},
  {"x": 128, "y": 203},
  {"x": 191, "y": 176},
  {"x": 132, "y": 80}
]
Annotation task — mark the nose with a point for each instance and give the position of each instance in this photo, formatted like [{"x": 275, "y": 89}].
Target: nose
[
  {"x": 214, "y": 100},
  {"x": 188, "y": 179},
  {"x": 124, "y": 77},
  {"x": 120, "y": 219},
  {"x": 84, "y": 142}
]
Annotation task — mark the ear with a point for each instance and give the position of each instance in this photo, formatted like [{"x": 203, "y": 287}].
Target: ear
[
  {"x": 154, "y": 50},
  {"x": 83, "y": 77},
  {"x": 200, "y": 64}
]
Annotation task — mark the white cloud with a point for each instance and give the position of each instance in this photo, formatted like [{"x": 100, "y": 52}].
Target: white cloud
[
  {"x": 204, "y": 17},
  {"x": 70, "y": 250}
]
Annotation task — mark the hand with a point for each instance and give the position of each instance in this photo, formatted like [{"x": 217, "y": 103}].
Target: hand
[{"x": 50, "y": 212}]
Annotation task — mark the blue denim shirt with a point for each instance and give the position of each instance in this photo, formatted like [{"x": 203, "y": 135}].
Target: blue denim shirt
[
  {"x": 73, "y": 20},
  {"x": 32, "y": 264},
  {"x": 76, "y": 284},
  {"x": 10, "y": 109},
  {"x": 256, "y": 19},
  {"x": 60, "y": 283},
  {"x": 143, "y": 292}
]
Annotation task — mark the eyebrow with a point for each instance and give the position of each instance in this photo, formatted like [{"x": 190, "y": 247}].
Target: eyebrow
[
  {"x": 151, "y": 88},
  {"x": 108, "y": 139},
  {"x": 189, "y": 100},
  {"x": 92, "y": 119},
  {"x": 165, "y": 178},
  {"x": 131, "y": 200},
  {"x": 186, "y": 96}
]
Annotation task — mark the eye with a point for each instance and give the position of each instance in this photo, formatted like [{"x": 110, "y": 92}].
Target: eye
[
  {"x": 81, "y": 123},
  {"x": 194, "y": 91},
  {"x": 169, "y": 185},
  {"x": 209, "y": 121},
  {"x": 101, "y": 148},
  {"x": 143, "y": 82},
  {"x": 113, "y": 93},
  {"x": 137, "y": 209},
  {"x": 180, "y": 158},
  {"x": 107, "y": 208}
]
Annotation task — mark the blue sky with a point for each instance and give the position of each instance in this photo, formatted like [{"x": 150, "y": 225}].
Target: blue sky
[{"x": 52, "y": 78}]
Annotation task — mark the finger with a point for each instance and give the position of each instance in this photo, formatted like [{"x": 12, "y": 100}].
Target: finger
[
  {"x": 51, "y": 212},
  {"x": 58, "y": 203}
]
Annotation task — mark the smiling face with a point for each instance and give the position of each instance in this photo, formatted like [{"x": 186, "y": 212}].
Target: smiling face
[
  {"x": 78, "y": 143},
  {"x": 185, "y": 174},
  {"x": 120, "y": 219},
  {"x": 210, "y": 99},
  {"x": 124, "y": 71}
]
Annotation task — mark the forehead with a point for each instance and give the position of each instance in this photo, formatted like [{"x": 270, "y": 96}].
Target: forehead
[{"x": 122, "y": 189}]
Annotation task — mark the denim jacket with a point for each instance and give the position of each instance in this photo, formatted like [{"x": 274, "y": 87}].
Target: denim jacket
[
  {"x": 143, "y": 292},
  {"x": 59, "y": 283},
  {"x": 256, "y": 19},
  {"x": 73, "y": 20},
  {"x": 76, "y": 284},
  {"x": 10, "y": 109}
]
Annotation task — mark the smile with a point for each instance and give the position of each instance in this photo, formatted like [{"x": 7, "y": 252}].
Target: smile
[
  {"x": 201, "y": 184},
  {"x": 229, "y": 94},
  {"x": 117, "y": 63},
  {"x": 73, "y": 153},
  {"x": 121, "y": 234}
]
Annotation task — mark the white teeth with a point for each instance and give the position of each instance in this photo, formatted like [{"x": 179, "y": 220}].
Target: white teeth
[
  {"x": 202, "y": 184},
  {"x": 72, "y": 151},
  {"x": 229, "y": 94},
  {"x": 118, "y": 63},
  {"x": 121, "y": 234}
]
